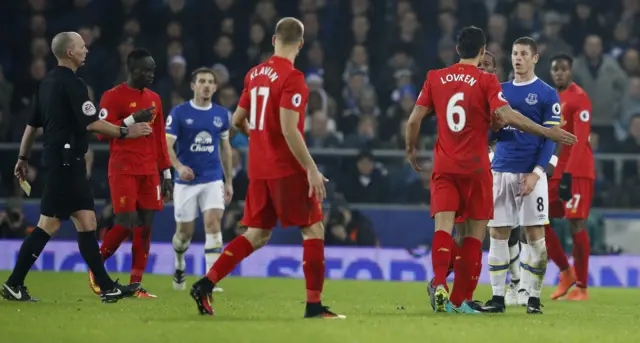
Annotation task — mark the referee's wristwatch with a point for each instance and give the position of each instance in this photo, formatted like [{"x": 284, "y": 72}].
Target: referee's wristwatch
[{"x": 124, "y": 131}]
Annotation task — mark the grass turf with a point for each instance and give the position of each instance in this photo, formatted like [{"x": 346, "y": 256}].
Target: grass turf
[{"x": 270, "y": 310}]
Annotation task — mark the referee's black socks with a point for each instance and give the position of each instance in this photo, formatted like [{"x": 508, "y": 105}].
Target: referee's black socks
[
  {"x": 29, "y": 252},
  {"x": 90, "y": 252}
]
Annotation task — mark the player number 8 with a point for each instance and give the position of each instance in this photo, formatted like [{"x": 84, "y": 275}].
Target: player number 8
[{"x": 452, "y": 109}]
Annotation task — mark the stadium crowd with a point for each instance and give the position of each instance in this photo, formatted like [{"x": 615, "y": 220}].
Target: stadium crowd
[{"x": 364, "y": 61}]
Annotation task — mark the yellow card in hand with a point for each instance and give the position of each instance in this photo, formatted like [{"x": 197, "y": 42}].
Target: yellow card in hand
[{"x": 26, "y": 187}]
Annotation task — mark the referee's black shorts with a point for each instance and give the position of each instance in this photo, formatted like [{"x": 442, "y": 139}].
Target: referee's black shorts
[{"x": 67, "y": 190}]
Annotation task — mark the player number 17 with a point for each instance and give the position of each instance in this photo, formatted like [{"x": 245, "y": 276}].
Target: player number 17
[
  {"x": 255, "y": 93},
  {"x": 452, "y": 109}
]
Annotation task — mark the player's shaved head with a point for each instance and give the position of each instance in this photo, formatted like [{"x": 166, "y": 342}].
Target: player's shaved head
[
  {"x": 289, "y": 30},
  {"x": 62, "y": 42}
]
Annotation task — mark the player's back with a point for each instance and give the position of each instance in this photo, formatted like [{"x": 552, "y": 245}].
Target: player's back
[
  {"x": 268, "y": 87},
  {"x": 461, "y": 102}
]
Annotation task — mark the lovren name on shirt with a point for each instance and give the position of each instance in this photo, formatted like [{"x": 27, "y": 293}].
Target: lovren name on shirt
[{"x": 468, "y": 79}]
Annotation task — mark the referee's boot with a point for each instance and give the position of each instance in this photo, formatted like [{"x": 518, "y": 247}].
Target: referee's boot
[
  {"x": 17, "y": 293},
  {"x": 118, "y": 292}
]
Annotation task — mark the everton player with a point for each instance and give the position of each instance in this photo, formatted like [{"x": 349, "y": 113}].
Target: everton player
[
  {"x": 199, "y": 130},
  {"x": 135, "y": 165},
  {"x": 571, "y": 187},
  {"x": 284, "y": 181},
  {"x": 519, "y": 180},
  {"x": 463, "y": 98}
]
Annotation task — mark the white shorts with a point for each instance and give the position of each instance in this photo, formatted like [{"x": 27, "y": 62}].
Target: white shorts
[
  {"x": 513, "y": 210},
  {"x": 188, "y": 198}
]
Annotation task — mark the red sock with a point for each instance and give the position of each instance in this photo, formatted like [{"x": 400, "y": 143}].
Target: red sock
[
  {"x": 112, "y": 240},
  {"x": 440, "y": 257},
  {"x": 454, "y": 253},
  {"x": 554, "y": 248},
  {"x": 465, "y": 269},
  {"x": 234, "y": 253},
  {"x": 476, "y": 276},
  {"x": 313, "y": 267},
  {"x": 140, "y": 251},
  {"x": 581, "y": 252}
]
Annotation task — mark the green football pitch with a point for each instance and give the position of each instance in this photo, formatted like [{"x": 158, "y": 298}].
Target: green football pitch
[{"x": 270, "y": 310}]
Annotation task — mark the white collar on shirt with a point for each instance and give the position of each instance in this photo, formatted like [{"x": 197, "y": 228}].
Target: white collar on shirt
[
  {"x": 535, "y": 78},
  {"x": 193, "y": 104}
]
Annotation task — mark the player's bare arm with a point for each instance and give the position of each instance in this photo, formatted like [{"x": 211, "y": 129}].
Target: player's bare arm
[
  {"x": 227, "y": 169},
  {"x": 240, "y": 121},
  {"x": 412, "y": 133},
  {"x": 29, "y": 136},
  {"x": 520, "y": 122},
  {"x": 553, "y": 162},
  {"x": 185, "y": 173},
  {"x": 289, "y": 126}
]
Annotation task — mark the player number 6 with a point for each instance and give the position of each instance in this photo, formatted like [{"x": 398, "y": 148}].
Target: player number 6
[{"x": 452, "y": 109}]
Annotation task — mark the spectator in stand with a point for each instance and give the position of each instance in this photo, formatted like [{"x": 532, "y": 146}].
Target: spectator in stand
[
  {"x": 551, "y": 43},
  {"x": 175, "y": 82},
  {"x": 631, "y": 62},
  {"x": 240, "y": 176},
  {"x": 603, "y": 80},
  {"x": 366, "y": 135},
  {"x": 347, "y": 227},
  {"x": 419, "y": 191},
  {"x": 319, "y": 134},
  {"x": 368, "y": 183},
  {"x": 630, "y": 108}
]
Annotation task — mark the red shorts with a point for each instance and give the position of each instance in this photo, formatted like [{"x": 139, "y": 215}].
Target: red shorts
[
  {"x": 469, "y": 196},
  {"x": 285, "y": 198},
  {"x": 132, "y": 192},
  {"x": 576, "y": 208},
  {"x": 460, "y": 220}
]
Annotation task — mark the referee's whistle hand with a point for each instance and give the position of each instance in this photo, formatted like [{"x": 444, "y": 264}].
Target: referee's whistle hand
[{"x": 138, "y": 130}]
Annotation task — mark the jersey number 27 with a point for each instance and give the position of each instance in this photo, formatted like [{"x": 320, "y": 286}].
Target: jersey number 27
[
  {"x": 256, "y": 110},
  {"x": 452, "y": 109}
]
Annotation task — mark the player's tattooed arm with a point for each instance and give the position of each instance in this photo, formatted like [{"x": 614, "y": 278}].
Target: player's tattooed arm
[
  {"x": 240, "y": 122},
  {"x": 412, "y": 133},
  {"x": 520, "y": 122}
]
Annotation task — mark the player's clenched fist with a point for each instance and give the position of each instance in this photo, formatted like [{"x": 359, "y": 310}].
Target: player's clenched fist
[
  {"x": 144, "y": 115},
  {"x": 138, "y": 130},
  {"x": 316, "y": 184},
  {"x": 186, "y": 173}
]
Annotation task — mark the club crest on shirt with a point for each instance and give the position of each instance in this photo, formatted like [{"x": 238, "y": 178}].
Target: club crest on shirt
[
  {"x": 189, "y": 121},
  {"x": 133, "y": 104},
  {"x": 217, "y": 122},
  {"x": 532, "y": 99}
]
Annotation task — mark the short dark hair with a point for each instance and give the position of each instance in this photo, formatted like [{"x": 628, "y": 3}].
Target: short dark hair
[
  {"x": 563, "y": 57},
  {"x": 470, "y": 41},
  {"x": 528, "y": 41},
  {"x": 136, "y": 55},
  {"x": 203, "y": 70},
  {"x": 289, "y": 30}
]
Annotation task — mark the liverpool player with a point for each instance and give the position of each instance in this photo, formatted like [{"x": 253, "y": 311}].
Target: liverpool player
[
  {"x": 571, "y": 187},
  {"x": 284, "y": 181},
  {"x": 487, "y": 64},
  {"x": 461, "y": 179},
  {"x": 134, "y": 165}
]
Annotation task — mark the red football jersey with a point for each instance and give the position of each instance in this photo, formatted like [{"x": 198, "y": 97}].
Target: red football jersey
[
  {"x": 576, "y": 159},
  {"x": 139, "y": 156},
  {"x": 268, "y": 87},
  {"x": 464, "y": 99}
]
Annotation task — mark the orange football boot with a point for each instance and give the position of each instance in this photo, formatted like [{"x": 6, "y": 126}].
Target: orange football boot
[
  {"x": 578, "y": 294},
  {"x": 93, "y": 285},
  {"x": 144, "y": 294},
  {"x": 567, "y": 280}
]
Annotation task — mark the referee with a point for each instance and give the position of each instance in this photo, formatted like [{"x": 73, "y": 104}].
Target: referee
[{"x": 64, "y": 111}]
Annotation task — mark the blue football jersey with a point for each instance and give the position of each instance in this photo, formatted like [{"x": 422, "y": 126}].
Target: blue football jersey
[
  {"x": 197, "y": 132},
  {"x": 516, "y": 151}
]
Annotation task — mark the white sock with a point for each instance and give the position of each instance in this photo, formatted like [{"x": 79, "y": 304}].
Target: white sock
[
  {"x": 524, "y": 259},
  {"x": 498, "y": 265},
  {"x": 514, "y": 262},
  {"x": 180, "y": 247},
  {"x": 212, "y": 248},
  {"x": 538, "y": 264}
]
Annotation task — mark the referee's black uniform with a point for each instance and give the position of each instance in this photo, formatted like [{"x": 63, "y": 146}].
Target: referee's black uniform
[{"x": 63, "y": 109}]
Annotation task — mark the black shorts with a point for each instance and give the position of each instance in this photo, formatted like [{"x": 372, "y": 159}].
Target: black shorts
[{"x": 66, "y": 191}]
